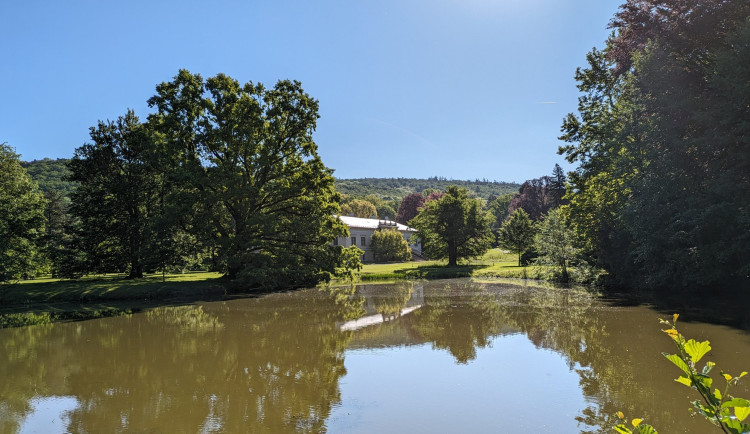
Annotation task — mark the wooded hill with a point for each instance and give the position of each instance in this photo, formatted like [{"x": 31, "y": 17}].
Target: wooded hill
[
  {"x": 50, "y": 175},
  {"x": 397, "y": 188}
]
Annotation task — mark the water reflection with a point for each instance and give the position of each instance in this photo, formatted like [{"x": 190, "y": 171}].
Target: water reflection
[
  {"x": 276, "y": 363},
  {"x": 272, "y": 364},
  {"x": 383, "y": 303}
]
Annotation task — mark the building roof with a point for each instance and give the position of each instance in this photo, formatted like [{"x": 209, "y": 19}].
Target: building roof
[{"x": 358, "y": 222}]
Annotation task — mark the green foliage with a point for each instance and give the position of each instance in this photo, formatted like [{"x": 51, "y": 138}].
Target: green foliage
[
  {"x": 663, "y": 120},
  {"x": 24, "y": 319},
  {"x": 638, "y": 426},
  {"x": 385, "y": 208},
  {"x": 453, "y": 226},
  {"x": 57, "y": 224},
  {"x": 51, "y": 175},
  {"x": 350, "y": 263},
  {"x": 249, "y": 176},
  {"x": 390, "y": 246},
  {"x": 499, "y": 209},
  {"x": 517, "y": 233},
  {"x": 554, "y": 243},
  {"x": 397, "y": 188},
  {"x": 718, "y": 406},
  {"x": 115, "y": 197},
  {"x": 359, "y": 208},
  {"x": 21, "y": 219}
]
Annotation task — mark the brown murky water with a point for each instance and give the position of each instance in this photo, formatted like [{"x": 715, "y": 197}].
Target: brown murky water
[{"x": 440, "y": 356}]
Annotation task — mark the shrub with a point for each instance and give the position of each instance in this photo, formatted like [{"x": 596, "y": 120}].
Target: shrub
[{"x": 389, "y": 246}]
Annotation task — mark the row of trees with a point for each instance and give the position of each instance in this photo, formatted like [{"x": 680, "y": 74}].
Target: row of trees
[
  {"x": 454, "y": 225},
  {"x": 223, "y": 174},
  {"x": 396, "y": 188},
  {"x": 662, "y": 142}
]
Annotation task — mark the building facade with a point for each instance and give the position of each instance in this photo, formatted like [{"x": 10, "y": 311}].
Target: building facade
[{"x": 361, "y": 230}]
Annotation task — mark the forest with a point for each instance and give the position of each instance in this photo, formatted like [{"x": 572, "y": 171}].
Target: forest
[
  {"x": 397, "y": 188},
  {"x": 661, "y": 194}
]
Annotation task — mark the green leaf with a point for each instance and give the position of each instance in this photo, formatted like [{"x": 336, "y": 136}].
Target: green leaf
[
  {"x": 736, "y": 427},
  {"x": 736, "y": 402},
  {"x": 674, "y": 358},
  {"x": 622, "y": 429},
  {"x": 741, "y": 413},
  {"x": 696, "y": 350},
  {"x": 646, "y": 429},
  {"x": 684, "y": 380},
  {"x": 708, "y": 367},
  {"x": 704, "y": 380},
  {"x": 717, "y": 394}
]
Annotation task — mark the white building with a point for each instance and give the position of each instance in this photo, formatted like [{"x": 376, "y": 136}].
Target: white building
[{"x": 361, "y": 229}]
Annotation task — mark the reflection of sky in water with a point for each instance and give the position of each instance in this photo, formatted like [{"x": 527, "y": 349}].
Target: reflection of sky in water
[
  {"x": 513, "y": 387},
  {"x": 49, "y": 415}
]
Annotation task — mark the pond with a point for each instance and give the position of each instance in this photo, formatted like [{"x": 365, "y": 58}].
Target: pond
[{"x": 437, "y": 356}]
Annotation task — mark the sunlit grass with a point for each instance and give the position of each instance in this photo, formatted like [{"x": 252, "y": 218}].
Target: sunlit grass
[
  {"x": 494, "y": 263},
  {"x": 110, "y": 287}
]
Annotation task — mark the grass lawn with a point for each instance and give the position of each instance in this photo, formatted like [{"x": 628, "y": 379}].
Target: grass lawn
[
  {"x": 111, "y": 287},
  {"x": 495, "y": 263}
]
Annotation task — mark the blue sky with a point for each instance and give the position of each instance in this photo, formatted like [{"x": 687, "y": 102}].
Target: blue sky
[{"x": 462, "y": 89}]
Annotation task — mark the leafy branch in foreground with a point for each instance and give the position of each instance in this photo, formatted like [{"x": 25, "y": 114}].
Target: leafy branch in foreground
[
  {"x": 718, "y": 407},
  {"x": 638, "y": 426}
]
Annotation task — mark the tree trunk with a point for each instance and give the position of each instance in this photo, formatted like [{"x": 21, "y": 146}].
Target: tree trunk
[
  {"x": 136, "y": 269},
  {"x": 452, "y": 255}
]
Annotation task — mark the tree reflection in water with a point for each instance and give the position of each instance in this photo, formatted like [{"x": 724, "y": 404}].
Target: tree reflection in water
[
  {"x": 270, "y": 363},
  {"x": 615, "y": 351}
]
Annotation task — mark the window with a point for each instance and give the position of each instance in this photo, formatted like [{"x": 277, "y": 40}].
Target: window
[
  {"x": 363, "y": 241},
  {"x": 354, "y": 241}
]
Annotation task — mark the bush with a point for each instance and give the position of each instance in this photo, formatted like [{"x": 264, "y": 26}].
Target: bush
[{"x": 390, "y": 246}]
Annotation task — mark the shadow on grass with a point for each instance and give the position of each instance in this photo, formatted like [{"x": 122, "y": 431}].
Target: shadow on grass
[
  {"x": 43, "y": 302},
  {"x": 108, "y": 288},
  {"x": 426, "y": 272}
]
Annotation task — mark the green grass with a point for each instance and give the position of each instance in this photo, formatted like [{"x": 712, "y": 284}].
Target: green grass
[
  {"x": 41, "y": 301},
  {"x": 110, "y": 287},
  {"x": 495, "y": 263}
]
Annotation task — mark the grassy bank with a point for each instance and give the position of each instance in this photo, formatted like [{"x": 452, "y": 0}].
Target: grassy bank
[
  {"x": 41, "y": 301},
  {"x": 111, "y": 287},
  {"x": 48, "y": 300},
  {"x": 495, "y": 263}
]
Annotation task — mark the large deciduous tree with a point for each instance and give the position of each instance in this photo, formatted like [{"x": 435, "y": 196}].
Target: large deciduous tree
[
  {"x": 246, "y": 161},
  {"x": 454, "y": 226},
  {"x": 115, "y": 194},
  {"x": 21, "y": 218}
]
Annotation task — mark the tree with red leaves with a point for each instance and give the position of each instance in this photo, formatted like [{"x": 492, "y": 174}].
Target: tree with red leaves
[
  {"x": 409, "y": 207},
  {"x": 533, "y": 197},
  {"x": 692, "y": 28}
]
